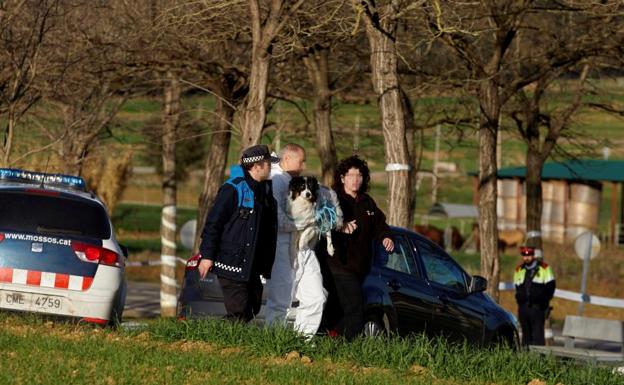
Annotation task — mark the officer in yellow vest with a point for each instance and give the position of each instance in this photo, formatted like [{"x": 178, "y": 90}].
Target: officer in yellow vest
[{"x": 535, "y": 286}]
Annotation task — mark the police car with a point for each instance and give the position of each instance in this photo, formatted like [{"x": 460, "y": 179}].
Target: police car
[{"x": 58, "y": 253}]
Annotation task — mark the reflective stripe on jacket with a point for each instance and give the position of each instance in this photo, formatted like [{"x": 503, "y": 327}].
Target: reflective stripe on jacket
[
  {"x": 544, "y": 274},
  {"x": 540, "y": 290}
]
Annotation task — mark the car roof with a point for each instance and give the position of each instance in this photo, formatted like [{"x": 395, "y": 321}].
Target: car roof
[
  {"x": 19, "y": 186},
  {"x": 69, "y": 185},
  {"x": 403, "y": 230}
]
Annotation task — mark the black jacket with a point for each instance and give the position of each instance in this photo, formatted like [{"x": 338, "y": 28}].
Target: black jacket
[
  {"x": 241, "y": 240},
  {"x": 354, "y": 251}
]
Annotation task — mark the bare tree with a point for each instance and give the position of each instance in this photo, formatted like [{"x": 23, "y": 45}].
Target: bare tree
[
  {"x": 554, "y": 54},
  {"x": 317, "y": 64},
  {"x": 481, "y": 36},
  {"x": 171, "y": 117},
  {"x": 268, "y": 18},
  {"x": 321, "y": 41},
  {"x": 230, "y": 87},
  {"x": 24, "y": 29},
  {"x": 529, "y": 119},
  {"x": 211, "y": 43},
  {"x": 381, "y": 21}
]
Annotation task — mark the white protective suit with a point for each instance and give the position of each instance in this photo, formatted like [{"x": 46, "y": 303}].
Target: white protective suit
[
  {"x": 300, "y": 278},
  {"x": 279, "y": 295}
]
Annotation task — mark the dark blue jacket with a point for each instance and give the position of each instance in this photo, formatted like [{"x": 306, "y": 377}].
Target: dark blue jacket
[{"x": 241, "y": 228}]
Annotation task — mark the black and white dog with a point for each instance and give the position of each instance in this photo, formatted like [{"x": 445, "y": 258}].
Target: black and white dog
[{"x": 315, "y": 211}]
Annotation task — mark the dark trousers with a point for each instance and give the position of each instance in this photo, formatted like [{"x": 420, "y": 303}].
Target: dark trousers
[
  {"x": 242, "y": 300},
  {"x": 532, "y": 320},
  {"x": 347, "y": 303}
]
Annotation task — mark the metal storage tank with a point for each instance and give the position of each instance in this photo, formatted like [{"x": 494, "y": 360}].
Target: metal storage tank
[
  {"x": 558, "y": 211},
  {"x": 507, "y": 203},
  {"x": 583, "y": 209},
  {"x": 547, "y": 194}
]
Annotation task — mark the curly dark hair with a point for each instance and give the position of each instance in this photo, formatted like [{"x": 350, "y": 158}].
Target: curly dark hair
[{"x": 344, "y": 166}]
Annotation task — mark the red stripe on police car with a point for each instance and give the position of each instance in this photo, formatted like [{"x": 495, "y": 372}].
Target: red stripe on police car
[{"x": 44, "y": 279}]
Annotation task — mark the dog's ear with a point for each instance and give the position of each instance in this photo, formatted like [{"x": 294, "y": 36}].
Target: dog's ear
[
  {"x": 295, "y": 184},
  {"x": 313, "y": 183}
]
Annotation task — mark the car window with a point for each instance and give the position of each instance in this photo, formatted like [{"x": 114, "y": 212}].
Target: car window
[
  {"x": 58, "y": 215},
  {"x": 440, "y": 268},
  {"x": 400, "y": 259}
]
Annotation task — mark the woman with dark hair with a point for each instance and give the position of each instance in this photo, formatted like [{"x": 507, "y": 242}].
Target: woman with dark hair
[{"x": 363, "y": 222}]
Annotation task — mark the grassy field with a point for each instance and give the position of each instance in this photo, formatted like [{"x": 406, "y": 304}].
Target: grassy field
[{"x": 219, "y": 352}]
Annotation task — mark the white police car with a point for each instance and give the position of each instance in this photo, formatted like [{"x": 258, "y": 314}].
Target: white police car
[{"x": 58, "y": 253}]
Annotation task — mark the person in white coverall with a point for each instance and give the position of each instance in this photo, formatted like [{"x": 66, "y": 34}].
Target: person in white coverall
[{"x": 302, "y": 270}]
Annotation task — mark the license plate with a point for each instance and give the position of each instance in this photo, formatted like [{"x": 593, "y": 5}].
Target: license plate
[{"x": 31, "y": 302}]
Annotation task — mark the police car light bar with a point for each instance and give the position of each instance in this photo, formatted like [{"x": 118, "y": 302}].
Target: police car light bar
[{"x": 17, "y": 175}]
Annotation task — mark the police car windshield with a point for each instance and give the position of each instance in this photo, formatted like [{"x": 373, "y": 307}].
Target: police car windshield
[{"x": 29, "y": 213}]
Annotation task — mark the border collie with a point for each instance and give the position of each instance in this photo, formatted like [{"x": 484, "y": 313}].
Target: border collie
[{"x": 315, "y": 211}]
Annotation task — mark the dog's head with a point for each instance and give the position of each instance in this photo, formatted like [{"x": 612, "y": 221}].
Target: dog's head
[{"x": 305, "y": 187}]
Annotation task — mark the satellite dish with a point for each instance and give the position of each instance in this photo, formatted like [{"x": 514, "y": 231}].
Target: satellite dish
[
  {"x": 187, "y": 234},
  {"x": 587, "y": 241}
]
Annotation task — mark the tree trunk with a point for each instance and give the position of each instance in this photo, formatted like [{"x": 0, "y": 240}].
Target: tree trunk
[
  {"x": 171, "y": 116},
  {"x": 264, "y": 29},
  {"x": 254, "y": 110},
  {"x": 215, "y": 163},
  {"x": 7, "y": 144},
  {"x": 533, "y": 183},
  {"x": 381, "y": 37},
  {"x": 317, "y": 64},
  {"x": 488, "y": 228},
  {"x": 410, "y": 137}
]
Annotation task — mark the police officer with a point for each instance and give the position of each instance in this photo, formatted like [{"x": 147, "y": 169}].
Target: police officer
[
  {"x": 535, "y": 287},
  {"x": 238, "y": 240}
]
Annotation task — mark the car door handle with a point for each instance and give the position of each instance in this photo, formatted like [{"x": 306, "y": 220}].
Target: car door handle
[{"x": 394, "y": 284}]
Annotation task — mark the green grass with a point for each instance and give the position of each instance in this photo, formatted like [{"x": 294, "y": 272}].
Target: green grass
[
  {"x": 463, "y": 363},
  {"x": 219, "y": 352}
]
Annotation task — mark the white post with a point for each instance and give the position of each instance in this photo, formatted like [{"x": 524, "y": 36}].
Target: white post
[{"x": 586, "y": 258}]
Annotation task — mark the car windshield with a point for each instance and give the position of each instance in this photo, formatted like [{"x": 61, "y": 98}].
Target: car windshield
[{"x": 59, "y": 215}]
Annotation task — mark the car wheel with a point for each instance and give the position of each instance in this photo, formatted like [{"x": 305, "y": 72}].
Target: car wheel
[
  {"x": 506, "y": 339},
  {"x": 374, "y": 327}
]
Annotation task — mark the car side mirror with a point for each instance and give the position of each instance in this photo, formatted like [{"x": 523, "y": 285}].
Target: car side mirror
[
  {"x": 477, "y": 284},
  {"x": 124, "y": 250}
]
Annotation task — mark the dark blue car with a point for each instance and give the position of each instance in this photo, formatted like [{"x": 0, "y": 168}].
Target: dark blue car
[
  {"x": 420, "y": 288},
  {"x": 416, "y": 288}
]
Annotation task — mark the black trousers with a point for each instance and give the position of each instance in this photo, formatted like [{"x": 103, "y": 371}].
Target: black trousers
[
  {"x": 242, "y": 300},
  {"x": 532, "y": 320},
  {"x": 344, "y": 310}
]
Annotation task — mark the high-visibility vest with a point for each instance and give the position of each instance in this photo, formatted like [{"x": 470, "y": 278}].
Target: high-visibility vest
[{"x": 543, "y": 275}]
